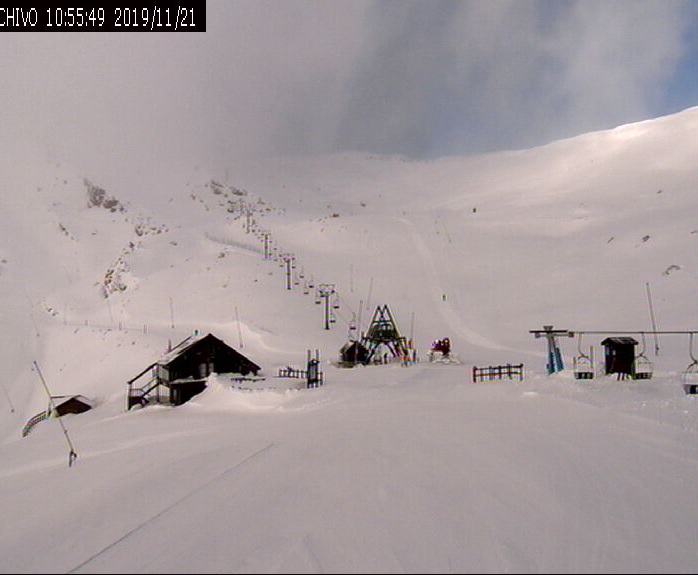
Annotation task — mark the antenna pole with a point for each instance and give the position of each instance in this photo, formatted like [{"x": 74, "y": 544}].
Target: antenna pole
[
  {"x": 358, "y": 321},
  {"x": 72, "y": 454},
  {"x": 237, "y": 319},
  {"x": 654, "y": 322}
]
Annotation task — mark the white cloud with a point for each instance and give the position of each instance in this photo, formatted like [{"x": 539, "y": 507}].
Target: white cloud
[{"x": 417, "y": 78}]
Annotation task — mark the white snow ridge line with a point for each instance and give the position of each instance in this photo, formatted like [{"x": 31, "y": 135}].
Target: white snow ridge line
[{"x": 161, "y": 513}]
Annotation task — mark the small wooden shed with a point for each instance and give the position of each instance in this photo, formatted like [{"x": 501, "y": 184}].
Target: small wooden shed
[
  {"x": 353, "y": 352},
  {"x": 620, "y": 355},
  {"x": 64, "y": 404},
  {"x": 59, "y": 406}
]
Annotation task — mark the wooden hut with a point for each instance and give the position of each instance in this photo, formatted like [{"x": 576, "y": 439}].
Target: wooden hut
[
  {"x": 182, "y": 372},
  {"x": 620, "y": 356},
  {"x": 59, "y": 406},
  {"x": 352, "y": 353},
  {"x": 64, "y": 404}
]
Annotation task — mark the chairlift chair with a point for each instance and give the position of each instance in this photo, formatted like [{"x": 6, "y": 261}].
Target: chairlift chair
[
  {"x": 583, "y": 367},
  {"x": 690, "y": 375},
  {"x": 583, "y": 364},
  {"x": 642, "y": 366}
]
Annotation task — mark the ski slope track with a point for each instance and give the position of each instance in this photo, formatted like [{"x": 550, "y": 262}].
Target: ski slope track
[{"x": 387, "y": 468}]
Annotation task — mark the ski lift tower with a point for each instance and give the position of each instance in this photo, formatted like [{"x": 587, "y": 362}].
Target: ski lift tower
[
  {"x": 384, "y": 331},
  {"x": 326, "y": 291},
  {"x": 555, "y": 362}
]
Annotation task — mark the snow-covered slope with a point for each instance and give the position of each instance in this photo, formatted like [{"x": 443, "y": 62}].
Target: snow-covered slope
[{"x": 385, "y": 468}]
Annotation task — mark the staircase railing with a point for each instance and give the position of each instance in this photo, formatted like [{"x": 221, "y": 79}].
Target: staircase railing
[
  {"x": 33, "y": 421},
  {"x": 139, "y": 395}
]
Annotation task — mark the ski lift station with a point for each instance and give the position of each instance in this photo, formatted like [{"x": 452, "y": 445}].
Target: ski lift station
[
  {"x": 383, "y": 336},
  {"x": 620, "y": 355}
]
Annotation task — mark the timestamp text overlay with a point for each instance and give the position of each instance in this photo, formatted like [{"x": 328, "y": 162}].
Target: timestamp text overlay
[{"x": 157, "y": 16}]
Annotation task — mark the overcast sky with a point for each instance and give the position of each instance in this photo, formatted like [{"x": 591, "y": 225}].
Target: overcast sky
[{"x": 420, "y": 78}]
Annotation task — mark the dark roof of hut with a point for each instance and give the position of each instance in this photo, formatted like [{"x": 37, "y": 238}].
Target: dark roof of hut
[
  {"x": 192, "y": 341},
  {"x": 623, "y": 340},
  {"x": 59, "y": 400}
]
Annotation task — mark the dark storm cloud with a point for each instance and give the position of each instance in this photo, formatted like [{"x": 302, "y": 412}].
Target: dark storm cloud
[{"x": 448, "y": 77}]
